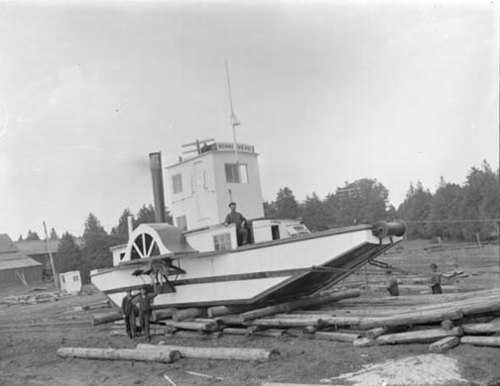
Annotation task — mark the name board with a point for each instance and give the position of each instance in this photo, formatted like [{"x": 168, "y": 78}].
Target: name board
[{"x": 230, "y": 146}]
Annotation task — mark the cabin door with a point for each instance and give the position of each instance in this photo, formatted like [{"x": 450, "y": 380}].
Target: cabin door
[{"x": 202, "y": 192}]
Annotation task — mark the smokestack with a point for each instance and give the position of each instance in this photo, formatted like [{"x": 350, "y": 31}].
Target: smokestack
[{"x": 159, "y": 197}]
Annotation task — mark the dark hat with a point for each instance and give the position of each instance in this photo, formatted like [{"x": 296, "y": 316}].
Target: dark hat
[
  {"x": 433, "y": 265},
  {"x": 388, "y": 271},
  {"x": 231, "y": 203}
]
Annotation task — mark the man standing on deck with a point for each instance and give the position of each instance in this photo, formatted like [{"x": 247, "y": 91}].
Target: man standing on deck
[
  {"x": 240, "y": 221},
  {"x": 144, "y": 304},
  {"x": 392, "y": 284},
  {"x": 129, "y": 314},
  {"x": 435, "y": 282}
]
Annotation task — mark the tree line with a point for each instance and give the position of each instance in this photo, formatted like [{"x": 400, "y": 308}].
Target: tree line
[{"x": 453, "y": 212}]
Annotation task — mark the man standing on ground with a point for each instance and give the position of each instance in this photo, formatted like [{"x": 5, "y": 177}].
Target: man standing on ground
[
  {"x": 435, "y": 282},
  {"x": 392, "y": 284},
  {"x": 144, "y": 304},
  {"x": 129, "y": 314},
  {"x": 240, "y": 222}
]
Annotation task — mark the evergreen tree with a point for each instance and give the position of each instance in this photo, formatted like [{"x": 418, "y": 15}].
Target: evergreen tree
[
  {"x": 286, "y": 205},
  {"x": 53, "y": 234},
  {"x": 32, "y": 236},
  {"x": 146, "y": 215},
  {"x": 445, "y": 206},
  {"x": 68, "y": 256},
  {"x": 96, "y": 244},
  {"x": 270, "y": 210},
  {"x": 120, "y": 232},
  {"x": 481, "y": 201},
  {"x": 313, "y": 214},
  {"x": 416, "y": 208},
  {"x": 362, "y": 201},
  {"x": 20, "y": 238}
]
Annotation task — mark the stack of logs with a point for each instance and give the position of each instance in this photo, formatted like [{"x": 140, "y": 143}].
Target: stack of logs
[{"x": 443, "y": 320}]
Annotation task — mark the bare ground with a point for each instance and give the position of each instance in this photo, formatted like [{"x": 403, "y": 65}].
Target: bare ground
[{"x": 28, "y": 353}]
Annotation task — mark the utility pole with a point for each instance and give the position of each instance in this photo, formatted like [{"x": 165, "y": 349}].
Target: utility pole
[{"x": 54, "y": 273}]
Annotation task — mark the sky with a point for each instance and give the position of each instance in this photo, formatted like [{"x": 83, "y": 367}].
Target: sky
[{"x": 328, "y": 92}]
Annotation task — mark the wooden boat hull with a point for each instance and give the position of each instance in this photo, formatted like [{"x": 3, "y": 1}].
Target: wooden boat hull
[{"x": 256, "y": 274}]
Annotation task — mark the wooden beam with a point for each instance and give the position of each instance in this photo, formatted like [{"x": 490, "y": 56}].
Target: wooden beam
[
  {"x": 230, "y": 353},
  {"x": 481, "y": 328},
  {"x": 493, "y": 341},
  {"x": 165, "y": 356},
  {"x": 336, "y": 336},
  {"x": 444, "y": 344},
  {"x": 421, "y": 336},
  {"x": 301, "y": 303}
]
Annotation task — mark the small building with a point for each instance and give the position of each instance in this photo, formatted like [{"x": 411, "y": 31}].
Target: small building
[
  {"x": 70, "y": 282},
  {"x": 15, "y": 267}
]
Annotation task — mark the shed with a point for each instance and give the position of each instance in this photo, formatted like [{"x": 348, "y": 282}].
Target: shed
[
  {"x": 71, "y": 281},
  {"x": 15, "y": 267}
]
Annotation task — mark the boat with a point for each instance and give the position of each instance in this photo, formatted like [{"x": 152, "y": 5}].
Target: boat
[{"x": 199, "y": 262}]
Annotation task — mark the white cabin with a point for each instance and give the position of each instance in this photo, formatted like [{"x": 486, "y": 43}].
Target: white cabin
[
  {"x": 199, "y": 189},
  {"x": 71, "y": 282}
]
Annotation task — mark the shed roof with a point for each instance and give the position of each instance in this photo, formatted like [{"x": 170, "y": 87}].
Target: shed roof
[
  {"x": 37, "y": 247},
  {"x": 11, "y": 257}
]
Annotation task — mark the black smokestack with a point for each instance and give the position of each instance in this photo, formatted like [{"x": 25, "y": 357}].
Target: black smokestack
[{"x": 159, "y": 197}]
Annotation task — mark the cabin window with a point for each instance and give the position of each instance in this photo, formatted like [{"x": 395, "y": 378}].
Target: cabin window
[
  {"x": 177, "y": 183},
  {"x": 76, "y": 278},
  {"x": 236, "y": 173},
  {"x": 222, "y": 242},
  {"x": 181, "y": 223}
]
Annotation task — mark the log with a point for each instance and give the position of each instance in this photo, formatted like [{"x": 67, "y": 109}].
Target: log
[
  {"x": 165, "y": 356},
  {"x": 308, "y": 330},
  {"x": 286, "y": 322},
  {"x": 482, "y": 307},
  {"x": 163, "y": 314},
  {"x": 447, "y": 324},
  {"x": 336, "y": 336},
  {"x": 375, "y": 332},
  {"x": 493, "y": 341},
  {"x": 343, "y": 320},
  {"x": 296, "y": 332},
  {"x": 231, "y": 353},
  {"x": 421, "y": 336},
  {"x": 217, "y": 311},
  {"x": 108, "y": 318},
  {"x": 444, "y": 344},
  {"x": 363, "y": 342},
  {"x": 410, "y": 318},
  {"x": 235, "y": 331},
  {"x": 195, "y": 326},
  {"x": 187, "y": 313},
  {"x": 481, "y": 328},
  {"x": 231, "y": 320},
  {"x": 270, "y": 332},
  {"x": 301, "y": 303}
]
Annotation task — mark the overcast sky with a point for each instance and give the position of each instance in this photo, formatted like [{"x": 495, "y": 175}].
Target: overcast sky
[{"x": 327, "y": 91}]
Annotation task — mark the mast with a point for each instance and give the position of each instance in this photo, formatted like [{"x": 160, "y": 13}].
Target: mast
[{"x": 233, "y": 119}]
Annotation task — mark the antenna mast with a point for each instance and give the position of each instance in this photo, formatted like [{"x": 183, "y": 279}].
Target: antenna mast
[{"x": 233, "y": 119}]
